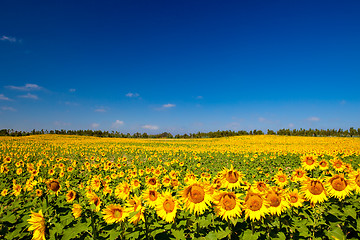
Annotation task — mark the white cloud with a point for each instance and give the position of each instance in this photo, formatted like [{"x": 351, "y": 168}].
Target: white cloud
[
  {"x": 8, "y": 109},
  {"x": 100, "y": 110},
  {"x": 27, "y": 87},
  {"x": 261, "y": 119},
  {"x": 117, "y": 124},
  {"x": 169, "y": 105},
  {"x": 72, "y": 90},
  {"x": 132, "y": 95},
  {"x": 2, "y": 97},
  {"x": 150, "y": 127},
  {"x": 313, "y": 119},
  {"x": 95, "y": 125},
  {"x": 8, "y": 39},
  {"x": 291, "y": 125},
  {"x": 29, "y": 96}
]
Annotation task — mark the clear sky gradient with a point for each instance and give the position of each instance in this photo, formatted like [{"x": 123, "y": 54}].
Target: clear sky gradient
[{"x": 179, "y": 66}]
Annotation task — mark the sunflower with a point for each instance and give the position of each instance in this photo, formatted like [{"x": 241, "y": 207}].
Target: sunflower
[
  {"x": 323, "y": 165},
  {"x": 255, "y": 206},
  {"x": 281, "y": 179},
  {"x": 114, "y": 213},
  {"x": 196, "y": 197},
  {"x": 95, "y": 183},
  {"x": 38, "y": 192},
  {"x": 153, "y": 182},
  {"x": 167, "y": 207},
  {"x": 70, "y": 196},
  {"x": 354, "y": 178},
  {"x": 309, "y": 162},
  {"x": 4, "y": 192},
  {"x": 166, "y": 181},
  {"x": 134, "y": 206},
  {"x": 295, "y": 199},
  {"x": 53, "y": 185},
  {"x": 260, "y": 186},
  {"x": 151, "y": 196},
  {"x": 338, "y": 165},
  {"x": 175, "y": 183},
  {"x": 122, "y": 191},
  {"x": 76, "y": 210},
  {"x": 231, "y": 178},
  {"x": 314, "y": 191},
  {"x": 135, "y": 184},
  {"x": 298, "y": 175},
  {"x": 37, "y": 223},
  {"x": 338, "y": 187},
  {"x": 227, "y": 205},
  {"x": 16, "y": 189},
  {"x": 277, "y": 201},
  {"x": 94, "y": 199}
]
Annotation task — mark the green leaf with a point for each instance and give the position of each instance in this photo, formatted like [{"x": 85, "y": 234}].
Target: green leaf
[
  {"x": 221, "y": 234},
  {"x": 349, "y": 211},
  {"x": 178, "y": 234},
  {"x": 211, "y": 236},
  {"x": 72, "y": 232},
  {"x": 9, "y": 218},
  {"x": 248, "y": 235},
  {"x": 113, "y": 234},
  {"x": 336, "y": 234}
]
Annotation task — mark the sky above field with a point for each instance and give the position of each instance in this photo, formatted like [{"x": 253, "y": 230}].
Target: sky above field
[{"x": 179, "y": 66}]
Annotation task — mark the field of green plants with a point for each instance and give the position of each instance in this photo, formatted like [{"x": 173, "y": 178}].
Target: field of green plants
[{"x": 247, "y": 187}]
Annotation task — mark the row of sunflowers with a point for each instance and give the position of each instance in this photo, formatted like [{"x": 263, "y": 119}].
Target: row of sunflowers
[{"x": 54, "y": 190}]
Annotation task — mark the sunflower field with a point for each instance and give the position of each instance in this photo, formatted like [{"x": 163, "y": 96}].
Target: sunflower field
[{"x": 247, "y": 187}]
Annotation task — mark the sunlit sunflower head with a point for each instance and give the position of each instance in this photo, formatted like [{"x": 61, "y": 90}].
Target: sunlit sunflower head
[
  {"x": 314, "y": 191},
  {"x": 16, "y": 189},
  {"x": 175, "y": 183},
  {"x": 323, "y": 165},
  {"x": 166, "y": 181},
  {"x": 299, "y": 175},
  {"x": 354, "y": 179},
  {"x": 4, "y": 192},
  {"x": 37, "y": 223},
  {"x": 228, "y": 205},
  {"x": 295, "y": 199},
  {"x": 196, "y": 197},
  {"x": 122, "y": 190},
  {"x": 231, "y": 178},
  {"x": 76, "y": 210},
  {"x": 260, "y": 187},
  {"x": 338, "y": 165},
  {"x": 167, "y": 207},
  {"x": 70, "y": 196},
  {"x": 114, "y": 213},
  {"x": 255, "y": 206},
  {"x": 95, "y": 183},
  {"x": 134, "y": 205},
  {"x": 153, "y": 182},
  {"x": 53, "y": 185},
  {"x": 277, "y": 200},
  {"x": 281, "y": 179},
  {"x": 151, "y": 197},
  {"x": 135, "y": 184},
  {"x": 337, "y": 186},
  {"x": 309, "y": 162},
  {"x": 217, "y": 182},
  {"x": 94, "y": 199}
]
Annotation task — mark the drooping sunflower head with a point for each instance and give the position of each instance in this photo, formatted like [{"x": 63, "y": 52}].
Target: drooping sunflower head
[
  {"x": 76, "y": 210},
  {"x": 314, "y": 191},
  {"x": 37, "y": 225},
  {"x": 255, "y": 206},
  {"x": 94, "y": 199},
  {"x": 338, "y": 186},
  {"x": 354, "y": 178},
  {"x": 70, "y": 196},
  {"x": 231, "y": 178},
  {"x": 227, "y": 205},
  {"x": 134, "y": 205}
]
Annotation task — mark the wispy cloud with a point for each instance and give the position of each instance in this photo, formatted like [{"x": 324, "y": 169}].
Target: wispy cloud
[
  {"x": 72, "y": 90},
  {"x": 132, "y": 95},
  {"x": 8, "y": 109},
  {"x": 95, "y": 125},
  {"x": 261, "y": 119},
  {"x": 29, "y": 96},
  {"x": 313, "y": 119},
  {"x": 27, "y": 87},
  {"x": 291, "y": 125},
  {"x": 117, "y": 124},
  {"x": 100, "y": 110},
  {"x": 3, "y": 97},
  {"x": 150, "y": 127},
  {"x": 169, "y": 105},
  {"x": 8, "y": 39}
]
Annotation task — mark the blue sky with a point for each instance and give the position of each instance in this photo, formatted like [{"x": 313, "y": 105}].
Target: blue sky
[{"x": 179, "y": 66}]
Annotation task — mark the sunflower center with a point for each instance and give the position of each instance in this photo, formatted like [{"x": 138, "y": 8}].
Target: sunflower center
[
  {"x": 197, "y": 194},
  {"x": 232, "y": 177},
  {"x": 293, "y": 198},
  {"x": 261, "y": 186},
  {"x": 169, "y": 205},
  {"x": 54, "y": 186},
  {"x": 152, "y": 195},
  {"x": 323, "y": 164},
  {"x": 338, "y": 184},
  {"x": 299, "y": 174},
  {"x": 282, "y": 179},
  {"x": 117, "y": 213},
  {"x": 228, "y": 202},
  {"x": 152, "y": 181},
  {"x": 254, "y": 203},
  {"x": 315, "y": 187},
  {"x": 357, "y": 180},
  {"x": 309, "y": 161},
  {"x": 274, "y": 199},
  {"x": 174, "y": 182},
  {"x": 338, "y": 164}
]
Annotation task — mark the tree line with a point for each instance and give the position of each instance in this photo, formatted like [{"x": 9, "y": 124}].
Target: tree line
[{"x": 352, "y": 132}]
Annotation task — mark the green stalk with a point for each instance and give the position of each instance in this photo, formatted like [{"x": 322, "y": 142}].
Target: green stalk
[
  {"x": 94, "y": 232},
  {"x": 146, "y": 225}
]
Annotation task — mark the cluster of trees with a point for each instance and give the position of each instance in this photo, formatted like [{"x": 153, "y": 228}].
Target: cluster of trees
[{"x": 352, "y": 132}]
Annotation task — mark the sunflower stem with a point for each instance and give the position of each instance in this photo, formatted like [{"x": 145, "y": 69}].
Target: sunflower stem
[
  {"x": 94, "y": 232},
  {"x": 146, "y": 225}
]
